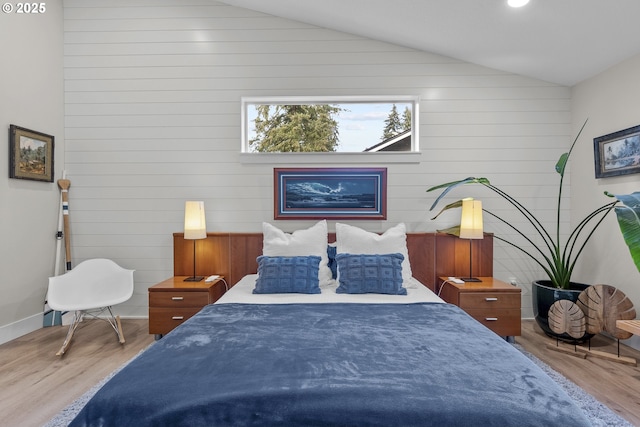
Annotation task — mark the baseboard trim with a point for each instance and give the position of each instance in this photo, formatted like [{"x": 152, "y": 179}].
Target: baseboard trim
[{"x": 21, "y": 327}]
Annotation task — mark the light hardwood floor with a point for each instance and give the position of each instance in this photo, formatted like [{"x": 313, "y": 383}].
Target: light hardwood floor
[
  {"x": 614, "y": 384},
  {"x": 35, "y": 384}
]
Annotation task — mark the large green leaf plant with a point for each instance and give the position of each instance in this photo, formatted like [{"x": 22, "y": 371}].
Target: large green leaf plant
[{"x": 555, "y": 256}]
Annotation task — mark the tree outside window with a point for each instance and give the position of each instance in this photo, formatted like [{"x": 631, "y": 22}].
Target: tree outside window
[{"x": 298, "y": 125}]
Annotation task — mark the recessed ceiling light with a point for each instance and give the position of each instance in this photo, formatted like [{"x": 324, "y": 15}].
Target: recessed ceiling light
[{"x": 517, "y": 3}]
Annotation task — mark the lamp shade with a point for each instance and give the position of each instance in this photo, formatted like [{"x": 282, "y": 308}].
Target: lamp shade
[
  {"x": 471, "y": 220},
  {"x": 195, "y": 226}
]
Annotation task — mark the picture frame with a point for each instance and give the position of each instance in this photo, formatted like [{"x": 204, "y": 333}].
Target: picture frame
[
  {"x": 30, "y": 154},
  {"x": 617, "y": 153},
  {"x": 330, "y": 193}
]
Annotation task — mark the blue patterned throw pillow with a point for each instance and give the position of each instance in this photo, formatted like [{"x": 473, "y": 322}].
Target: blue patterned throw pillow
[
  {"x": 333, "y": 266},
  {"x": 277, "y": 275},
  {"x": 362, "y": 274}
]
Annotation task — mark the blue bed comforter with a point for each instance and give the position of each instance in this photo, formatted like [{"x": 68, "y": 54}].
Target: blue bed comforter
[{"x": 331, "y": 365}]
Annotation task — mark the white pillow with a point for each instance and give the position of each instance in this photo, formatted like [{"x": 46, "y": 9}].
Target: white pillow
[
  {"x": 354, "y": 240},
  {"x": 312, "y": 241}
]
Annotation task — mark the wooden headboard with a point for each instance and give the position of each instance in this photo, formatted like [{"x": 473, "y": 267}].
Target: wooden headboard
[{"x": 233, "y": 255}]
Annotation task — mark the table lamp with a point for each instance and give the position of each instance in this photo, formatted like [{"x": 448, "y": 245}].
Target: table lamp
[
  {"x": 471, "y": 228},
  {"x": 195, "y": 228}
]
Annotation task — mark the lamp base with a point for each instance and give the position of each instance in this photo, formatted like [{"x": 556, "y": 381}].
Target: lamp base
[
  {"x": 193, "y": 279},
  {"x": 470, "y": 279}
]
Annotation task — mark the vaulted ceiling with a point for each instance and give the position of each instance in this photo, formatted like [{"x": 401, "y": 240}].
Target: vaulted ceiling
[{"x": 559, "y": 41}]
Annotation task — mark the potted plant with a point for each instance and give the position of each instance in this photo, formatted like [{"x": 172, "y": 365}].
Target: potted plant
[{"x": 555, "y": 256}]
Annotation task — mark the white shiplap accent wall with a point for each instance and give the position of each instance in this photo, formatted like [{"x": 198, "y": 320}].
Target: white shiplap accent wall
[{"x": 152, "y": 118}]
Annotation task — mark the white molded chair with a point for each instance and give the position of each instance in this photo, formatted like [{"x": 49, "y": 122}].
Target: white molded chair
[{"x": 91, "y": 289}]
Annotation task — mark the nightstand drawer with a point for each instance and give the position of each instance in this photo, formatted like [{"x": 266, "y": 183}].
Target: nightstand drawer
[
  {"x": 493, "y": 303},
  {"x": 482, "y": 300},
  {"x": 163, "y": 320},
  {"x": 174, "y": 300},
  {"x": 505, "y": 322},
  {"x": 178, "y": 299}
]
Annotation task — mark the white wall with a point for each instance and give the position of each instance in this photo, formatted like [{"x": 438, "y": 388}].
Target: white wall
[
  {"x": 610, "y": 102},
  {"x": 152, "y": 99},
  {"x": 152, "y": 118},
  {"x": 31, "y": 85}
]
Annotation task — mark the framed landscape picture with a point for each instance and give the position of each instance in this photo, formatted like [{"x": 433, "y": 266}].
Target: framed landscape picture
[
  {"x": 30, "y": 154},
  {"x": 331, "y": 193},
  {"x": 617, "y": 153}
]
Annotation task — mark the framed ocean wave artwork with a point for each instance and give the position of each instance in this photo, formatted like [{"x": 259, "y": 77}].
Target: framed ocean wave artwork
[{"x": 330, "y": 193}]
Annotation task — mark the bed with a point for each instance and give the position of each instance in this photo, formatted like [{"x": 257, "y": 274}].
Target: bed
[{"x": 331, "y": 358}]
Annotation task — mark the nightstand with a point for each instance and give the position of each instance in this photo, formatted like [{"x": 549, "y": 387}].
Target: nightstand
[
  {"x": 494, "y": 303},
  {"x": 173, "y": 301}
]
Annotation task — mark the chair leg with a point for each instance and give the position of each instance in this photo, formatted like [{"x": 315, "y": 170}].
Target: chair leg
[
  {"x": 120, "y": 331},
  {"x": 77, "y": 318},
  {"x": 116, "y": 325}
]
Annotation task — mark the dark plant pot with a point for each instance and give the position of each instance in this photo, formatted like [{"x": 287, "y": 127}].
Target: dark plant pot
[{"x": 544, "y": 295}]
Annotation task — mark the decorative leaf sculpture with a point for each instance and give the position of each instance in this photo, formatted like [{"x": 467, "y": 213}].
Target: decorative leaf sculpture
[
  {"x": 566, "y": 317},
  {"x": 602, "y": 306}
]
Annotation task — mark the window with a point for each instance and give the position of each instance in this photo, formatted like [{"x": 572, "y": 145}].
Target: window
[{"x": 330, "y": 125}]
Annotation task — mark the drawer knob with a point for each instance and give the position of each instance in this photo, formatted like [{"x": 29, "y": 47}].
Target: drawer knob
[
  {"x": 490, "y": 319},
  {"x": 178, "y": 317},
  {"x": 177, "y": 298},
  {"x": 491, "y": 299}
]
